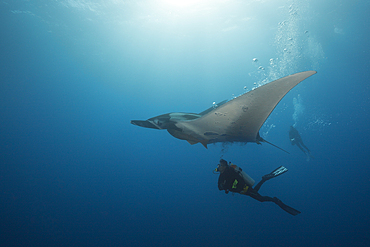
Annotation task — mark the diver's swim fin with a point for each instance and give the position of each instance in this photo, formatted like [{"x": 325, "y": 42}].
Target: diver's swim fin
[
  {"x": 286, "y": 208},
  {"x": 278, "y": 171}
]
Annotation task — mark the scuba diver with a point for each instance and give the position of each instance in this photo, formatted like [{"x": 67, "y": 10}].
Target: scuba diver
[
  {"x": 296, "y": 139},
  {"x": 234, "y": 179}
]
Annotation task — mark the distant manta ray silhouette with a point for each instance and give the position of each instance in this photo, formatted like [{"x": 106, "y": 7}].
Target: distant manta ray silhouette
[{"x": 237, "y": 120}]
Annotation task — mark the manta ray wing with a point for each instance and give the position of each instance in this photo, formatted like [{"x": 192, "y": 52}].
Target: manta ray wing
[{"x": 240, "y": 119}]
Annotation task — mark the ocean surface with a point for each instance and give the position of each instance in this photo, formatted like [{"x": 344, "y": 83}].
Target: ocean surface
[{"x": 75, "y": 172}]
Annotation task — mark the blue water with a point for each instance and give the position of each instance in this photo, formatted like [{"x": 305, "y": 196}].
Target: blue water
[{"x": 75, "y": 172}]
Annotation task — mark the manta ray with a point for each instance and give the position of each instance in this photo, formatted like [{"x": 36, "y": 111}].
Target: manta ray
[{"x": 236, "y": 120}]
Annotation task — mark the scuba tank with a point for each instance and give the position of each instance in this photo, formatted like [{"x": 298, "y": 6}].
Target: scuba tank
[{"x": 247, "y": 179}]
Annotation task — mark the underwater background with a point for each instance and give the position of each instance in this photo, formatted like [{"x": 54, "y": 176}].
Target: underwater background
[{"x": 75, "y": 172}]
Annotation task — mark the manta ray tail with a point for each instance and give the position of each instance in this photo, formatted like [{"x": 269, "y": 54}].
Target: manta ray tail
[{"x": 260, "y": 139}]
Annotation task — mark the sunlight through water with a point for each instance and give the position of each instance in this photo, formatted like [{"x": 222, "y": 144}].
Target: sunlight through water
[{"x": 182, "y": 3}]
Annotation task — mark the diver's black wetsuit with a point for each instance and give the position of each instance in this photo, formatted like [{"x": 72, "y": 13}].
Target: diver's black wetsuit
[
  {"x": 296, "y": 139},
  {"x": 230, "y": 180}
]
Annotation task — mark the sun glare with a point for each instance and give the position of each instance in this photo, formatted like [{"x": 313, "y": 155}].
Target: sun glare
[{"x": 181, "y": 3}]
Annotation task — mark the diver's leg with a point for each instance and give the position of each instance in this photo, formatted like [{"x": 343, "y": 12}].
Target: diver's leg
[
  {"x": 299, "y": 145},
  {"x": 285, "y": 207},
  {"x": 305, "y": 147},
  {"x": 255, "y": 195},
  {"x": 277, "y": 201},
  {"x": 258, "y": 186},
  {"x": 277, "y": 172}
]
